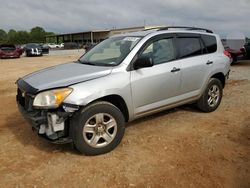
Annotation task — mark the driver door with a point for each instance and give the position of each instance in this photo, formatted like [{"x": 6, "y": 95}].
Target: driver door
[{"x": 159, "y": 85}]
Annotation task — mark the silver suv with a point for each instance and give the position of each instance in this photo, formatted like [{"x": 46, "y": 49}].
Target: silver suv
[{"x": 125, "y": 77}]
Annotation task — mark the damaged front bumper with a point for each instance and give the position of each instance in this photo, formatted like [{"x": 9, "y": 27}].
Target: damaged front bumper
[{"x": 54, "y": 125}]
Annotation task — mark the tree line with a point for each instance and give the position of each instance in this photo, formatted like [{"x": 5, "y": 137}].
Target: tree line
[{"x": 36, "y": 35}]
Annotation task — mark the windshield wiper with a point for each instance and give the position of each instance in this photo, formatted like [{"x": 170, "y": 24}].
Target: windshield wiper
[{"x": 96, "y": 63}]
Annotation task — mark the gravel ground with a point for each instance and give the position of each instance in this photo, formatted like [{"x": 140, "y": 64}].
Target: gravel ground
[{"x": 181, "y": 147}]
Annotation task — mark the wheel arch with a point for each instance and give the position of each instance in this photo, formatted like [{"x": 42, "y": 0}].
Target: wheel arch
[
  {"x": 117, "y": 101},
  {"x": 220, "y": 76}
]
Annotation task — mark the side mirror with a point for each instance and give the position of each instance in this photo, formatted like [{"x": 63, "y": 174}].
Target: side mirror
[{"x": 143, "y": 61}]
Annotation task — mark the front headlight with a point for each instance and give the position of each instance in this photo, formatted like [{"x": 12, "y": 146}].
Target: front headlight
[{"x": 51, "y": 98}]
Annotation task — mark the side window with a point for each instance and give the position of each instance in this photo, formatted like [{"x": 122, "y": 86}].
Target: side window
[
  {"x": 210, "y": 43},
  {"x": 189, "y": 47},
  {"x": 149, "y": 50},
  {"x": 160, "y": 51}
]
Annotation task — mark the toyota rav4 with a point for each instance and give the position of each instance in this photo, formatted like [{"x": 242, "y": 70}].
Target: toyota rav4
[{"x": 125, "y": 77}]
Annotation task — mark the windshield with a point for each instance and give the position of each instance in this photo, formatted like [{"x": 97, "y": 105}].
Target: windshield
[{"x": 110, "y": 52}]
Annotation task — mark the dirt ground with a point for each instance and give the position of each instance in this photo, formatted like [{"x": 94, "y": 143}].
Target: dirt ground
[{"x": 181, "y": 147}]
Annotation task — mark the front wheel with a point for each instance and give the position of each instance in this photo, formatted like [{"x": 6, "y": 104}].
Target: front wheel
[
  {"x": 98, "y": 128},
  {"x": 211, "y": 98}
]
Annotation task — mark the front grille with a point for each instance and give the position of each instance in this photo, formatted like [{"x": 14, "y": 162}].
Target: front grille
[{"x": 25, "y": 100}]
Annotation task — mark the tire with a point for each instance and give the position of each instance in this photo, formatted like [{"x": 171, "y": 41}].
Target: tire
[
  {"x": 211, "y": 98},
  {"x": 92, "y": 138}
]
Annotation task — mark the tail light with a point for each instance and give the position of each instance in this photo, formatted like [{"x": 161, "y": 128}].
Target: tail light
[{"x": 227, "y": 54}]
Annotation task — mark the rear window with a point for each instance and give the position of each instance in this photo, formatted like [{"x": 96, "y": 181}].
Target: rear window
[
  {"x": 189, "y": 47},
  {"x": 210, "y": 43},
  {"x": 7, "y": 47}
]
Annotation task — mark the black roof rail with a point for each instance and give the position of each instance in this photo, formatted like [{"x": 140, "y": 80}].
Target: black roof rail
[{"x": 187, "y": 28}]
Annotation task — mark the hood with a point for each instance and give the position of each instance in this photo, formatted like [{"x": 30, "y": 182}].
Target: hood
[{"x": 64, "y": 75}]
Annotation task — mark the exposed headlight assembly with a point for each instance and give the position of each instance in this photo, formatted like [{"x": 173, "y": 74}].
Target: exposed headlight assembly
[{"x": 52, "y": 98}]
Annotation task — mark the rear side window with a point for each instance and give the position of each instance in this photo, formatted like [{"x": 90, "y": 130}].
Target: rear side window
[
  {"x": 189, "y": 47},
  {"x": 210, "y": 43}
]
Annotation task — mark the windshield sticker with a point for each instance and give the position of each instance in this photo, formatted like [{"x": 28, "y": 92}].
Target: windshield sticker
[{"x": 132, "y": 39}]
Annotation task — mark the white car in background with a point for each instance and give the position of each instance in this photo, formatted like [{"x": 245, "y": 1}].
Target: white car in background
[
  {"x": 53, "y": 45},
  {"x": 61, "y": 45}
]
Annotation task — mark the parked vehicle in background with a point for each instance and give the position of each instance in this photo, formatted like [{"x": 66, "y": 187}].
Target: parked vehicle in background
[
  {"x": 33, "y": 49},
  {"x": 235, "y": 54},
  {"x": 45, "y": 48},
  {"x": 125, "y": 77},
  {"x": 247, "y": 50},
  {"x": 71, "y": 45},
  {"x": 10, "y": 51},
  {"x": 62, "y": 45},
  {"x": 53, "y": 45}
]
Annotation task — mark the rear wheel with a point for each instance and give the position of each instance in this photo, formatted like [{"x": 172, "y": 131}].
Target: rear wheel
[
  {"x": 211, "y": 98},
  {"x": 98, "y": 128}
]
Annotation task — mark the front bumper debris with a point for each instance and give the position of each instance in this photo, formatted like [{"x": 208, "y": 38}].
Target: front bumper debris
[
  {"x": 45, "y": 126},
  {"x": 50, "y": 124}
]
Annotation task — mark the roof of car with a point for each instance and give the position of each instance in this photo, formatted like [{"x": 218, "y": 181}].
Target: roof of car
[
  {"x": 166, "y": 30},
  {"x": 138, "y": 33}
]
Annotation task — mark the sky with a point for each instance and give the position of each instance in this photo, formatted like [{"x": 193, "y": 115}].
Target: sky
[{"x": 63, "y": 16}]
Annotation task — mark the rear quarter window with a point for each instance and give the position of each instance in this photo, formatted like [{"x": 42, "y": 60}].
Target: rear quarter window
[
  {"x": 210, "y": 43},
  {"x": 189, "y": 47}
]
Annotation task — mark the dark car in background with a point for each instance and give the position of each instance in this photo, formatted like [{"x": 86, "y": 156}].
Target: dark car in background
[
  {"x": 247, "y": 50},
  {"x": 71, "y": 45},
  {"x": 10, "y": 51},
  {"x": 33, "y": 49},
  {"x": 45, "y": 48}
]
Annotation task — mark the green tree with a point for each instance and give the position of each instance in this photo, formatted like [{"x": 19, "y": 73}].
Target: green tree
[
  {"x": 51, "y": 39},
  {"x": 22, "y": 37},
  {"x": 37, "y": 34},
  {"x": 11, "y": 36},
  {"x": 3, "y": 36}
]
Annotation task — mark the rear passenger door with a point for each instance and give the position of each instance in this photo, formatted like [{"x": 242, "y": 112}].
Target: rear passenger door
[{"x": 195, "y": 64}]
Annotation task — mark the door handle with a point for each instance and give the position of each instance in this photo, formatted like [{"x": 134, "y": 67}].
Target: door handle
[
  {"x": 209, "y": 62},
  {"x": 175, "y": 69}
]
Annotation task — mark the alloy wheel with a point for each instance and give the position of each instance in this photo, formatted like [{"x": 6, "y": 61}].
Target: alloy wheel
[{"x": 100, "y": 130}]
